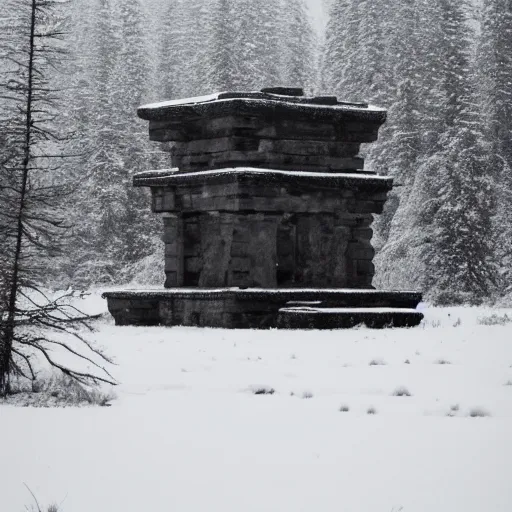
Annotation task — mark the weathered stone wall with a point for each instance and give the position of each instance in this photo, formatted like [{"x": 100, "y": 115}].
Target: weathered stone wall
[
  {"x": 261, "y": 308},
  {"x": 274, "y": 238},
  {"x": 265, "y": 140},
  {"x": 232, "y": 222}
]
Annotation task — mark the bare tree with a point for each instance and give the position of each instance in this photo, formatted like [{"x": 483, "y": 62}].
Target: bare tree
[{"x": 32, "y": 185}]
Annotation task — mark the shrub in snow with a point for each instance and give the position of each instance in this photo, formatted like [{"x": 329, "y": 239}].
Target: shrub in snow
[
  {"x": 377, "y": 362},
  {"x": 262, "y": 390},
  {"x": 508, "y": 383},
  {"x": 51, "y": 508},
  {"x": 494, "y": 320},
  {"x": 453, "y": 410},
  {"x": 478, "y": 412},
  {"x": 401, "y": 391},
  {"x": 57, "y": 391},
  {"x": 307, "y": 394},
  {"x": 407, "y": 361},
  {"x": 442, "y": 361},
  {"x": 344, "y": 408},
  {"x": 371, "y": 410}
]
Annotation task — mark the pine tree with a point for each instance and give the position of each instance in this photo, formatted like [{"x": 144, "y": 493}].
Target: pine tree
[
  {"x": 222, "y": 69},
  {"x": 186, "y": 41},
  {"x": 369, "y": 56},
  {"x": 458, "y": 191},
  {"x": 246, "y": 51},
  {"x": 495, "y": 59},
  {"x": 495, "y": 64},
  {"x": 300, "y": 46},
  {"x": 134, "y": 226},
  {"x": 114, "y": 226},
  {"x": 340, "y": 53},
  {"x": 32, "y": 220}
]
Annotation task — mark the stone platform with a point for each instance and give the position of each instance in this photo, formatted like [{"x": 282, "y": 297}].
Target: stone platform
[
  {"x": 255, "y": 308},
  {"x": 267, "y": 212}
]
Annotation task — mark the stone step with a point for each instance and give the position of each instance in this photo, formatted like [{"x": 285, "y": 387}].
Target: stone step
[{"x": 318, "y": 317}]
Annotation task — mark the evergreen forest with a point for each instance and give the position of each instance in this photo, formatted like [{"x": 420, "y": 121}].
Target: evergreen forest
[{"x": 442, "y": 69}]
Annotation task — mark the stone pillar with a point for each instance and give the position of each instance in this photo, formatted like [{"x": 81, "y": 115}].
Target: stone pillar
[
  {"x": 360, "y": 254},
  {"x": 173, "y": 236}
]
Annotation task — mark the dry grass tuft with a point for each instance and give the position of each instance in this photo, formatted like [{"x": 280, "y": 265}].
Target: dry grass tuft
[
  {"x": 57, "y": 391},
  {"x": 494, "y": 320},
  {"x": 401, "y": 391},
  {"x": 263, "y": 391},
  {"x": 478, "y": 412},
  {"x": 377, "y": 362}
]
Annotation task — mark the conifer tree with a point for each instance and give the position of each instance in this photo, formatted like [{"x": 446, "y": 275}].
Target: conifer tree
[
  {"x": 223, "y": 64},
  {"x": 495, "y": 65},
  {"x": 32, "y": 220},
  {"x": 340, "y": 61},
  {"x": 455, "y": 185},
  {"x": 186, "y": 41},
  {"x": 246, "y": 52},
  {"x": 300, "y": 46}
]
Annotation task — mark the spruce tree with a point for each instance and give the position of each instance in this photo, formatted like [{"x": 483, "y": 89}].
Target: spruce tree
[
  {"x": 456, "y": 183},
  {"x": 299, "y": 46},
  {"x": 246, "y": 51},
  {"x": 495, "y": 64},
  {"x": 223, "y": 64},
  {"x": 186, "y": 41}
]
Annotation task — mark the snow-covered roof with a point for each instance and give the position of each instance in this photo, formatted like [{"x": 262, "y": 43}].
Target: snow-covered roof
[
  {"x": 226, "y": 103},
  {"x": 175, "y": 177},
  {"x": 184, "y": 101}
]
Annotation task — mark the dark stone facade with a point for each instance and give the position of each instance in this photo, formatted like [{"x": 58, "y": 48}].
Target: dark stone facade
[
  {"x": 267, "y": 193},
  {"x": 265, "y": 308},
  {"x": 248, "y": 228}
]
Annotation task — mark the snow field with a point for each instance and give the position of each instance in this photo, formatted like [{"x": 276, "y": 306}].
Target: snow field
[{"x": 189, "y": 433}]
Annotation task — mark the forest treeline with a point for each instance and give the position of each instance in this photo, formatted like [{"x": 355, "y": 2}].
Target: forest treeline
[{"x": 442, "y": 68}]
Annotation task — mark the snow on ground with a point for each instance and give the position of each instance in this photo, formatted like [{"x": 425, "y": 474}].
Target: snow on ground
[{"x": 196, "y": 427}]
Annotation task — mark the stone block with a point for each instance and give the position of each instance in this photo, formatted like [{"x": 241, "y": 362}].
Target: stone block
[
  {"x": 170, "y": 235},
  {"x": 167, "y": 134},
  {"x": 239, "y": 249},
  {"x": 171, "y": 249},
  {"x": 240, "y": 264},
  {"x": 239, "y": 278},
  {"x": 308, "y": 148},
  {"x": 171, "y": 279},
  {"x": 360, "y": 252},
  {"x": 171, "y": 264},
  {"x": 215, "y": 145}
]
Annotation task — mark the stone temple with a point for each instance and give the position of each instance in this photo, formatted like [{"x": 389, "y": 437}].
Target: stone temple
[{"x": 267, "y": 215}]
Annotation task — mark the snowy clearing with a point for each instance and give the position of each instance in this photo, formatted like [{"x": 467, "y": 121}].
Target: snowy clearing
[{"x": 281, "y": 421}]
